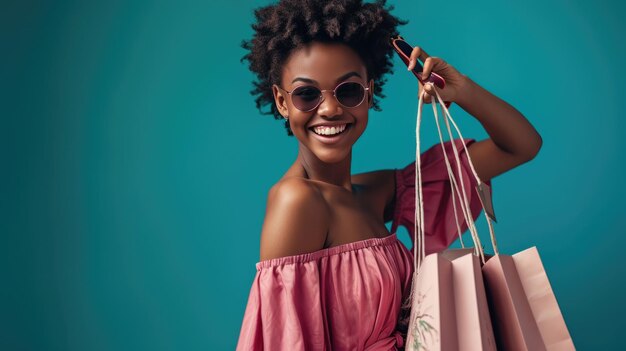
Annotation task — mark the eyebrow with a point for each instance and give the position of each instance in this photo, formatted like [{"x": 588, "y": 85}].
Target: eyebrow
[{"x": 344, "y": 77}]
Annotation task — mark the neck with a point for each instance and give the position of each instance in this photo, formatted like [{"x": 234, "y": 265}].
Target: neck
[{"x": 337, "y": 173}]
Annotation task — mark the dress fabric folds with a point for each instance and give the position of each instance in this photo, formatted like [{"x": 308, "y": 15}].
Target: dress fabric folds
[{"x": 349, "y": 297}]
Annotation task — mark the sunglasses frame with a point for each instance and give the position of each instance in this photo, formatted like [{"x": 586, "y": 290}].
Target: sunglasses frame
[
  {"x": 321, "y": 95},
  {"x": 417, "y": 70},
  {"x": 434, "y": 78}
]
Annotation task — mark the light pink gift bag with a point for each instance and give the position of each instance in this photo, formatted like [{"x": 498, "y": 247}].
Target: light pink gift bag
[
  {"x": 448, "y": 302},
  {"x": 524, "y": 310},
  {"x": 449, "y": 310}
]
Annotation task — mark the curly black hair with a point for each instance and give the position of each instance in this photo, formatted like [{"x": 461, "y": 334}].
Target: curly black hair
[{"x": 290, "y": 24}]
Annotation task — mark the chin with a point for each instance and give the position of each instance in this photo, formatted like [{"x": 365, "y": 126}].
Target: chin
[{"x": 331, "y": 156}]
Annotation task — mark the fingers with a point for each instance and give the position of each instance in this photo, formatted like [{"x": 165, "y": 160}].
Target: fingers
[
  {"x": 415, "y": 54},
  {"x": 429, "y": 92},
  {"x": 429, "y": 64}
]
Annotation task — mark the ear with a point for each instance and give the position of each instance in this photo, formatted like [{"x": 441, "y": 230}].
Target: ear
[
  {"x": 370, "y": 93},
  {"x": 280, "y": 100}
]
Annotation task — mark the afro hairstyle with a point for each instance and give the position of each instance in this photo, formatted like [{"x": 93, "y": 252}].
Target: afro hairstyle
[{"x": 292, "y": 24}]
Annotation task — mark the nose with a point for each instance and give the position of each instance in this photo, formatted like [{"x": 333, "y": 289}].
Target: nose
[{"x": 329, "y": 106}]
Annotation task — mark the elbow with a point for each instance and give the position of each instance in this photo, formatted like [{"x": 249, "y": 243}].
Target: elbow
[{"x": 533, "y": 147}]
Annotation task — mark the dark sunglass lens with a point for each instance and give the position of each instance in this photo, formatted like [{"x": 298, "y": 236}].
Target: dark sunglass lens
[
  {"x": 305, "y": 98},
  {"x": 406, "y": 48},
  {"x": 350, "y": 94}
]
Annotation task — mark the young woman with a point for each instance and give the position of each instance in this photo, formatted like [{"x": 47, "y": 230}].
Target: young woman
[{"x": 331, "y": 276}]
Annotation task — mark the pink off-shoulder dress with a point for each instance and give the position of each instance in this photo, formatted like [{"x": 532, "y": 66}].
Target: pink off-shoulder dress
[{"x": 349, "y": 297}]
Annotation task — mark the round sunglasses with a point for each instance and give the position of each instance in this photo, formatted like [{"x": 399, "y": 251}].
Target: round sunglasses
[{"x": 308, "y": 97}]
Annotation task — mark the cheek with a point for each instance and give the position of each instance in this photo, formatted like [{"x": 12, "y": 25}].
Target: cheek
[
  {"x": 298, "y": 121},
  {"x": 362, "y": 114},
  {"x": 362, "y": 120}
]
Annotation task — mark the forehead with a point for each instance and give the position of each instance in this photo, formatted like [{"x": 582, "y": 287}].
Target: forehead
[{"x": 322, "y": 62}]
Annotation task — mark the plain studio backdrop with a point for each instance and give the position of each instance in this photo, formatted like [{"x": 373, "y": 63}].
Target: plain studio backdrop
[{"x": 135, "y": 166}]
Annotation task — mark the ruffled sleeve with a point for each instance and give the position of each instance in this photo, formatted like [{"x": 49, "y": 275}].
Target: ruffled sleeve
[
  {"x": 284, "y": 310},
  {"x": 440, "y": 226}
]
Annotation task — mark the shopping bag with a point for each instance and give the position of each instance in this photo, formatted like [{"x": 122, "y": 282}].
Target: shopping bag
[
  {"x": 448, "y": 301},
  {"x": 450, "y": 308},
  {"x": 542, "y": 300},
  {"x": 432, "y": 323},
  {"x": 474, "y": 326},
  {"x": 523, "y": 307}
]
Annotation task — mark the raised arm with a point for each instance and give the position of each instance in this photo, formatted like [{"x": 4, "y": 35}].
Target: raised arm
[{"x": 512, "y": 139}]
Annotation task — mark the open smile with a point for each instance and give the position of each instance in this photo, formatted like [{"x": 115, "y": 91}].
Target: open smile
[{"x": 331, "y": 135}]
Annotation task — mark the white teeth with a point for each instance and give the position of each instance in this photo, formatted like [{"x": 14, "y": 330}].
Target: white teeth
[{"x": 330, "y": 130}]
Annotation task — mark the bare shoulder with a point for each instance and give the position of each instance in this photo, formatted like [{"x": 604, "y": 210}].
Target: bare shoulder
[
  {"x": 380, "y": 186},
  {"x": 375, "y": 179},
  {"x": 296, "y": 219}
]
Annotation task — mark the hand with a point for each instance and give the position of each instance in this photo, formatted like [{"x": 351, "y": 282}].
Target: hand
[{"x": 454, "y": 79}]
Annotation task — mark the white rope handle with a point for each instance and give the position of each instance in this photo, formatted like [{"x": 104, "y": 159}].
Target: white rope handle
[
  {"x": 419, "y": 251},
  {"x": 467, "y": 214},
  {"x": 447, "y": 117},
  {"x": 453, "y": 185},
  {"x": 463, "y": 196},
  {"x": 418, "y": 239},
  {"x": 470, "y": 223}
]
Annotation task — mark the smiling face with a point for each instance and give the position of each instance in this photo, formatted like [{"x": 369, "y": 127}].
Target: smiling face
[{"x": 324, "y": 66}]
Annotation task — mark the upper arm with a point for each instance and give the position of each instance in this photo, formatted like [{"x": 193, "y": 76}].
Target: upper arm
[
  {"x": 490, "y": 161},
  {"x": 296, "y": 220}
]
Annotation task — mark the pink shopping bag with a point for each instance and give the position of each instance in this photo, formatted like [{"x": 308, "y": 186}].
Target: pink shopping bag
[
  {"x": 524, "y": 311},
  {"x": 449, "y": 310}
]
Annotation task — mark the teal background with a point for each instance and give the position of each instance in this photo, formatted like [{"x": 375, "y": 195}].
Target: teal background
[{"x": 135, "y": 165}]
